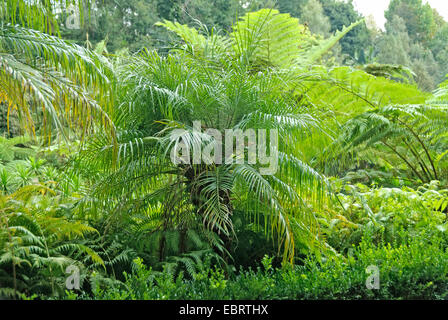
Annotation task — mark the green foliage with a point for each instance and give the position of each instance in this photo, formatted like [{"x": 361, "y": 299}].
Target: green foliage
[
  {"x": 265, "y": 38},
  {"x": 439, "y": 46},
  {"x": 235, "y": 98},
  {"x": 269, "y": 37},
  {"x": 293, "y": 7},
  {"x": 393, "y": 72},
  {"x": 343, "y": 14},
  {"x": 314, "y": 17},
  {"x": 397, "y": 47},
  {"x": 60, "y": 79},
  {"x": 37, "y": 243},
  {"x": 386, "y": 215},
  {"x": 14, "y": 149},
  {"x": 360, "y": 175},
  {"x": 411, "y": 271},
  {"x": 130, "y": 24},
  {"x": 414, "y": 134},
  {"x": 324, "y": 46},
  {"x": 418, "y": 17}
]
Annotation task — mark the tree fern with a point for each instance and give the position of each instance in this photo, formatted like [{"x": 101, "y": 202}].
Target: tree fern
[{"x": 263, "y": 38}]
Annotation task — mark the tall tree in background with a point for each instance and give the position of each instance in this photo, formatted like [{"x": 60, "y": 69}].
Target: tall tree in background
[
  {"x": 397, "y": 47},
  {"x": 217, "y": 13},
  {"x": 124, "y": 24},
  {"x": 417, "y": 37},
  {"x": 439, "y": 48},
  {"x": 343, "y": 14},
  {"x": 130, "y": 23},
  {"x": 394, "y": 46},
  {"x": 293, "y": 7},
  {"x": 418, "y": 17},
  {"x": 313, "y": 15}
]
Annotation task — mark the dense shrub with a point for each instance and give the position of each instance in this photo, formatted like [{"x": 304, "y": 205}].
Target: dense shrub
[{"x": 416, "y": 270}]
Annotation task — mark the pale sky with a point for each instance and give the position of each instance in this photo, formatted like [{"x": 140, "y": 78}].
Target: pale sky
[{"x": 377, "y": 8}]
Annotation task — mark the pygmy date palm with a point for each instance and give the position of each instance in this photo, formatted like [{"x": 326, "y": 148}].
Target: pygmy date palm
[
  {"x": 157, "y": 96},
  {"x": 40, "y": 74}
]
